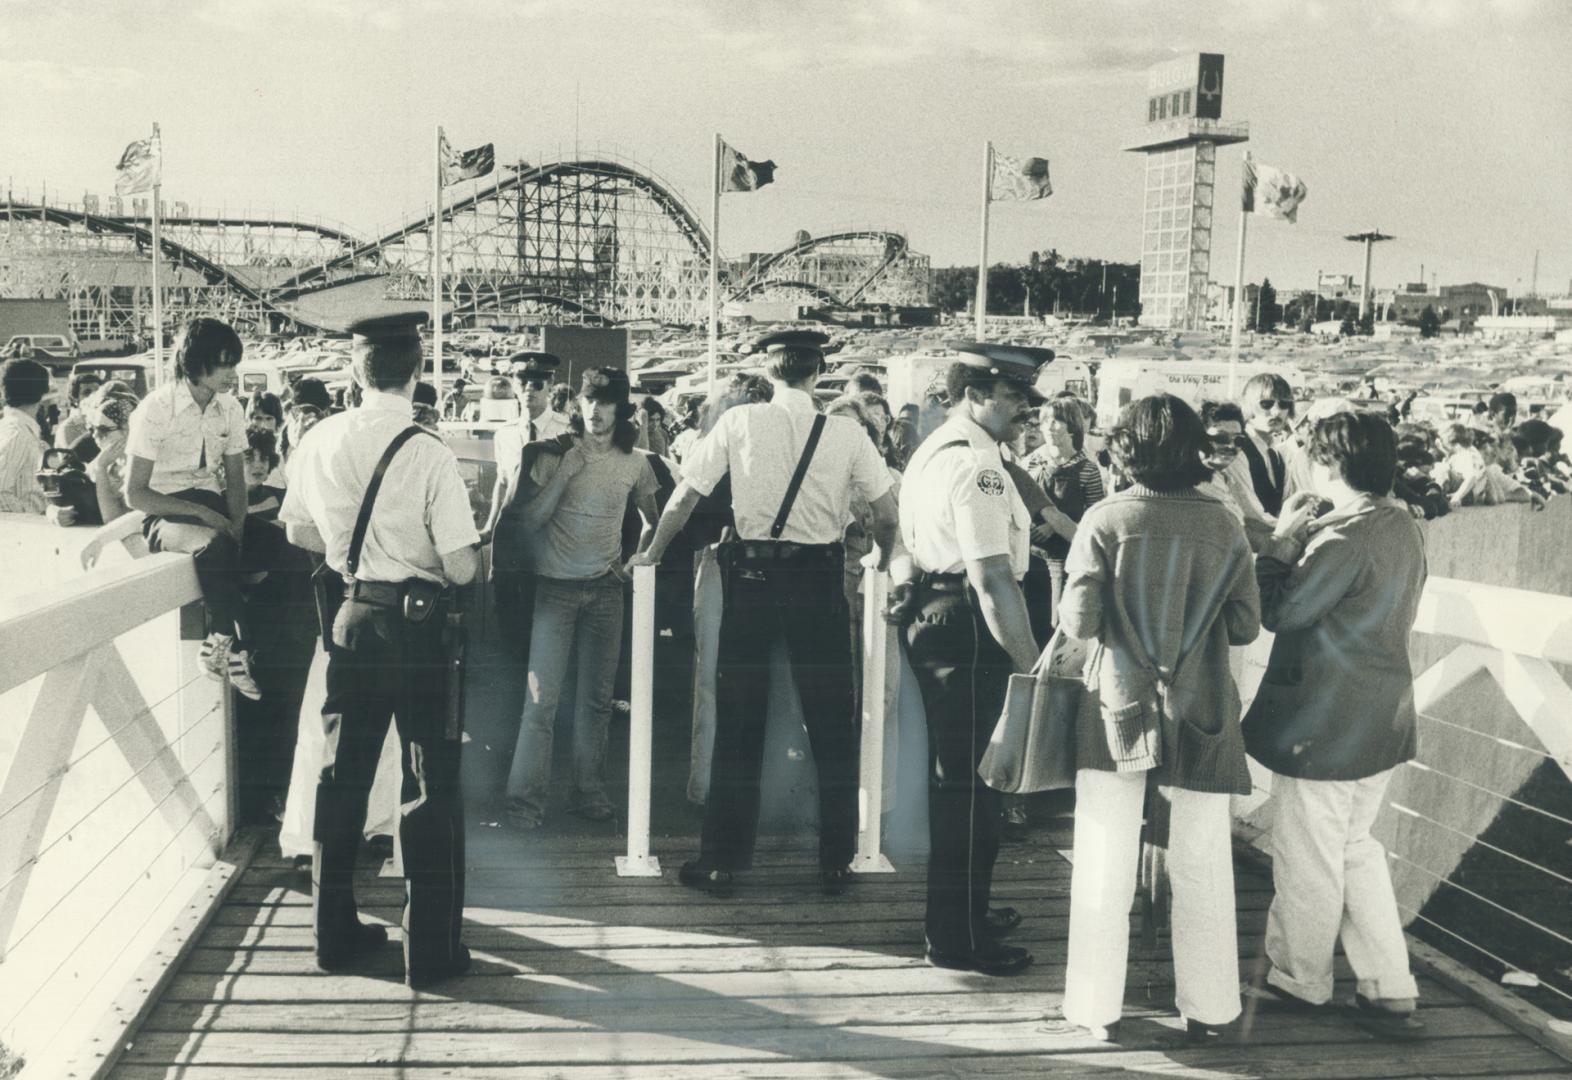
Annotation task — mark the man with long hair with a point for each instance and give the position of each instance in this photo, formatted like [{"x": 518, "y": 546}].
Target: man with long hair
[{"x": 573, "y": 505}]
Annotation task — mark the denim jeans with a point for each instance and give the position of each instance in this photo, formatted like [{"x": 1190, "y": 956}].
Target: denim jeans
[{"x": 588, "y": 615}]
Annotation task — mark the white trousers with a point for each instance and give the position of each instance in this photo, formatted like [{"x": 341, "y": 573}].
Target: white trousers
[
  {"x": 1102, "y": 886},
  {"x": 1331, "y": 881}
]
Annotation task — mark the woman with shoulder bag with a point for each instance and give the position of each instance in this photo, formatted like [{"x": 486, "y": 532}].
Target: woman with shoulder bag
[{"x": 1159, "y": 579}]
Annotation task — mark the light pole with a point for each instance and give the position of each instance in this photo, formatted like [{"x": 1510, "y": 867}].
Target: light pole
[{"x": 1369, "y": 238}]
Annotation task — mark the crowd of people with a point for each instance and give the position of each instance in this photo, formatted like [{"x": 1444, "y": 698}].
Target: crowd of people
[{"x": 1006, "y": 522}]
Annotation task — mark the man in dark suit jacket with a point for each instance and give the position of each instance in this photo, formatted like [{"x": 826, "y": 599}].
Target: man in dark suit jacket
[{"x": 1268, "y": 406}]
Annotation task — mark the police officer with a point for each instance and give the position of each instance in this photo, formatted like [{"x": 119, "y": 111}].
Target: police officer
[
  {"x": 793, "y": 472},
  {"x": 384, "y": 502},
  {"x": 965, "y": 622}
]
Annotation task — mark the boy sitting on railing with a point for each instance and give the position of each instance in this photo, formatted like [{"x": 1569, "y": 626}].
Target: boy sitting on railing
[{"x": 186, "y": 448}]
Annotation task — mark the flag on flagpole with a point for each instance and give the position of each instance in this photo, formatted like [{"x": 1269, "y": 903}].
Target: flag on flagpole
[
  {"x": 1018, "y": 178},
  {"x": 454, "y": 166},
  {"x": 1272, "y": 192},
  {"x": 737, "y": 173},
  {"x": 140, "y": 167}
]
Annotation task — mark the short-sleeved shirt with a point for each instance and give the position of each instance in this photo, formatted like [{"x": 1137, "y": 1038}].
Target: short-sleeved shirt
[
  {"x": 422, "y": 510},
  {"x": 958, "y": 503},
  {"x": 507, "y": 444},
  {"x": 759, "y": 445},
  {"x": 186, "y": 443},
  {"x": 583, "y": 538},
  {"x": 21, "y": 453}
]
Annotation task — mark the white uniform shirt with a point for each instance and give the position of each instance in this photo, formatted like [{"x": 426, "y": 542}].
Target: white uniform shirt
[
  {"x": 21, "y": 453},
  {"x": 959, "y": 504},
  {"x": 760, "y": 446},
  {"x": 422, "y": 509},
  {"x": 507, "y": 445},
  {"x": 187, "y": 444}
]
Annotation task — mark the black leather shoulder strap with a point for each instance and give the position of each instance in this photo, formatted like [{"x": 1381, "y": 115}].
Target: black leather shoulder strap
[
  {"x": 796, "y": 477},
  {"x": 358, "y": 539}
]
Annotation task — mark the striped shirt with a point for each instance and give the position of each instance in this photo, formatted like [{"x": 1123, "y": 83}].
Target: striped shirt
[{"x": 21, "y": 453}]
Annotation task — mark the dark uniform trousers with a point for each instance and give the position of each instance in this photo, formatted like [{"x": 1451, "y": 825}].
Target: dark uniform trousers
[
  {"x": 797, "y": 598},
  {"x": 963, "y": 674},
  {"x": 383, "y": 668}
]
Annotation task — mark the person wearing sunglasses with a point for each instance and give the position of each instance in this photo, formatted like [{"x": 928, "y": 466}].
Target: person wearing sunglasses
[
  {"x": 1268, "y": 406},
  {"x": 1230, "y": 480},
  {"x": 515, "y": 446}
]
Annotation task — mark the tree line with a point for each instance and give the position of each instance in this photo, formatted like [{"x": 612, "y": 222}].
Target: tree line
[{"x": 1047, "y": 283}]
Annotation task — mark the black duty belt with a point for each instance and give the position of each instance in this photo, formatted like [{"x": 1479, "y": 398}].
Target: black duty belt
[
  {"x": 390, "y": 593},
  {"x": 943, "y": 583},
  {"x": 775, "y": 552}
]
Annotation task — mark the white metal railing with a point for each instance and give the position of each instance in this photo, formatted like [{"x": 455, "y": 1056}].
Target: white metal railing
[{"x": 116, "y": 759}]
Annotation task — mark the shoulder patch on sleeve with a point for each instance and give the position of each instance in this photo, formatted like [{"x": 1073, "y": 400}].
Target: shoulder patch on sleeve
[{"x": 990, "y": 482}]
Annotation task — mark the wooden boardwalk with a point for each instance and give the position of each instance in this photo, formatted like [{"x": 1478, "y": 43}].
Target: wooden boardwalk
[{"x": 581, "y": 974}]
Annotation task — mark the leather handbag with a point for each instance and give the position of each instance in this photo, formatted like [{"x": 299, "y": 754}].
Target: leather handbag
[{"x": 1033, "y": 744}]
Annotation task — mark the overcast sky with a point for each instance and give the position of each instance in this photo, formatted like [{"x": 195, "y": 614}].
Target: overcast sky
[{"x": 1445, "y": 122}]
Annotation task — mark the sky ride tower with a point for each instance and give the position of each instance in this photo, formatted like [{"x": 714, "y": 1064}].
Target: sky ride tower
[{"x": 1183, "y": 130}]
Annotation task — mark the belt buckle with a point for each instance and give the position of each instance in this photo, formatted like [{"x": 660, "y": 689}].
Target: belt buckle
[{"x": 747, "y": 574}]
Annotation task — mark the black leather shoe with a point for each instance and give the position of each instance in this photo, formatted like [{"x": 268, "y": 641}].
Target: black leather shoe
[
  {"x": 835, "y": 880},
  {"x": 1001, "y": 920},
  {"x": 989, "y": 958},
  {"x": 696, "y": 875},
  {"x": 421, "y": 978},
  {"x": 1229, "y": 1034},
  {"x": 348, "y": 947}
]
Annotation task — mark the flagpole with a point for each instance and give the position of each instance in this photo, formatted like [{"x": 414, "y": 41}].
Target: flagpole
[
  {"x": 715, "y": 188},
  {"x": 436, "y": 268},
  {"x": 158, "y": 294},
  {"x": 982, "y": 258},
  {"x": 1233, "y": 351}
]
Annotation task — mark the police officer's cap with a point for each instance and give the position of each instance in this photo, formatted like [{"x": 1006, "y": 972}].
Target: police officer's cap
[
  {"x": 796, "y": 340},
  {"x": 401, "y": 327},
  {"x": 535, "y": 365},
  {"x": 1019, "y": 363}
]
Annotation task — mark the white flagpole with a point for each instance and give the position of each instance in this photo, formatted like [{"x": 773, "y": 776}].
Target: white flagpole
[
  {"x": 1233, "y": 351},
  {"x": 436, "y": 271},
  {"x": 982, "y": 258},
  {"x": 715, "y": 263},
  {"x": 158, "y": 293}
]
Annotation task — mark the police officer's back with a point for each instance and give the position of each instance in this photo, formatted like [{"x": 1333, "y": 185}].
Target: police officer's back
[
  {"x": 793, "y": 472},
  {"x": 391, "y": 564}
]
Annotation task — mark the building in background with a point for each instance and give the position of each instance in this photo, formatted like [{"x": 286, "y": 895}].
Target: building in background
[{"x": 1183, "y": 131}]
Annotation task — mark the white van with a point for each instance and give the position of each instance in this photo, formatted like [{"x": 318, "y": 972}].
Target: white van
[{"x": 1123, "y": 381}]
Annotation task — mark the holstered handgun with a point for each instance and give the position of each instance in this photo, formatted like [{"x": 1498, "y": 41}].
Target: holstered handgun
[{"x": 327, "y": 590}]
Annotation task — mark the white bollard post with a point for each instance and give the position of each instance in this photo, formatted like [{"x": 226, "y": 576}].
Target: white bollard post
[
  {"x": 638, "y": 862},
  {"x": 870, "y": 796}
]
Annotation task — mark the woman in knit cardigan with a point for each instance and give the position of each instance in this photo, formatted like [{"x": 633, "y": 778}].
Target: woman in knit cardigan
[{"x": 1160, "y": 579}]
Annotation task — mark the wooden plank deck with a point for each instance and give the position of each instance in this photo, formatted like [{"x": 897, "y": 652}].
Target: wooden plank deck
[{"x": 580, "y": 974}]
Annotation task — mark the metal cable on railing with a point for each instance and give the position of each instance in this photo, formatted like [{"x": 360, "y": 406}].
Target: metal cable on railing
[
  {"x": 146, "y": 710},
  {"x": 20, "y": 938},
  {"x": 1497, "y": 739},
  {"x": 1524, "y": 919},
  {"x": 1487, "y": 791},
  {"x": 65, "y": 834},
  {"x": 147, "y": 868},
  {"x": 1506, "y": 965},
  {"x": 1480, "y": 841}
]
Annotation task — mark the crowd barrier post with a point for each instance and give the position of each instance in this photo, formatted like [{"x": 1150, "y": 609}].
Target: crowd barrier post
[
  {"x": 638, "y": 862},
  {"x": 870, "y": 796}
]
